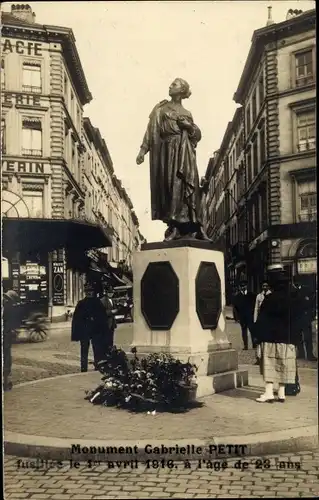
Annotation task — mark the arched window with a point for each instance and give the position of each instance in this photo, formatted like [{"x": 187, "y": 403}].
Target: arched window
[
  {"x": 307, "y": 258},
  {"x": 307, "y": 250}
]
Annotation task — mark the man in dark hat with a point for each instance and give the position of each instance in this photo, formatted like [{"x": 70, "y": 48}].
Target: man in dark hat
[
  {"x": 107, "y": 301},
  {"x": 90, "y": 325},
  {"x": 10, "y": 323},
  {"x": 244, "y": 305}
]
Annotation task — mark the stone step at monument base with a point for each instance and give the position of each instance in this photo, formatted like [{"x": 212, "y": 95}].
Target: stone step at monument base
[
  {"x": 220, "y": 382},
  {"x": 208, "y": 363},
  {"x": 217, "y": 370}
]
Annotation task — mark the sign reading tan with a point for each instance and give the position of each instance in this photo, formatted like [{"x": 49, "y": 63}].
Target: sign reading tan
[{"x": 25, "y": 167}]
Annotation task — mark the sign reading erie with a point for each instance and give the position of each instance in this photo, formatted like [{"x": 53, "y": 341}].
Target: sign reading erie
[{"x": 10, "y": 98}]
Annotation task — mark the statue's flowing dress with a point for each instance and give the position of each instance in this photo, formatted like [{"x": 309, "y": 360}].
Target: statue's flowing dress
[{"x": 173, "y": 169}]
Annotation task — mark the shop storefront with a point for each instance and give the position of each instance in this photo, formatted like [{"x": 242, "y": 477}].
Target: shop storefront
[
  {"x": 306, "y": 264},
  {"x": 39, "y": 259}
]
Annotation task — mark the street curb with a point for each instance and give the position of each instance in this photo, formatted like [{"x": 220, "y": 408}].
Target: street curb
[{"x": 260, "y": 444}]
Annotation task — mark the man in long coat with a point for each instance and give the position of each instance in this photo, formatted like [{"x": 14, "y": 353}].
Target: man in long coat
[{"x": 90, "y": 325}]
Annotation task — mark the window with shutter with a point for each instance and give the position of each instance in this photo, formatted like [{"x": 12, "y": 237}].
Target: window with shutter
[
  {"x": 34, "y": 201},
  {"x": 3, "y": 136},
  {"x": 31, "y": 137},
  {"x": 261, "y": 90},
  {"x": 255, "y": 157},
  {"x": 3, "y": 81},
  {"x": 249, "y": 168},
  {"x": 31, "y": 77},
  {"x": 248, "y": 120},
  {"x": 304, "y": 68},
  {"x": 254, "y": 106},
  {"x": 262, "y": 146},
  {"x": 308, "y": 201},
  {"x": 306, "y": 130}
]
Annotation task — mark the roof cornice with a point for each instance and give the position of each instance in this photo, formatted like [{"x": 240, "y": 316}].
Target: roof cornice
[
  {"x": 95, "y": 136},
  {"x": 269, "y": 34},
  {"x": 55, "y": 34}
]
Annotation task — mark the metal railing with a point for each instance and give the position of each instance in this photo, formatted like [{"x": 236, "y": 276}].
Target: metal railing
[
  {"x": 32, "y": 88},
  {"x": 308, "y": 216},
  {"x": 307, "y": 145},
  {"x": 31, "y": 152}
]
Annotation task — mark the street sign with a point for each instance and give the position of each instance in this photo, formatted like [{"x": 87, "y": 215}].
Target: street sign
[{"x": 307, "y": 266}]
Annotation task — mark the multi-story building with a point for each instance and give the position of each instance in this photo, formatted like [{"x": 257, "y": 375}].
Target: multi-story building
[
  {"x": 58, "y": 192},
  {"x": 265, "y": 206},
  {"x": 106, "y": 200}
]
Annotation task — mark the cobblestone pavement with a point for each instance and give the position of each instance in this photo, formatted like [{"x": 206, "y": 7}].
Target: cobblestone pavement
[
  {"x": 268, "y": 477},
  {"x": 62, "y": 400},
  {"x": 58, "y": 356}
]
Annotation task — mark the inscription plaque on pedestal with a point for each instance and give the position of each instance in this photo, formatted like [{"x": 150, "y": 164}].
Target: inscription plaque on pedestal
[
  {"x": 160, "y": 295},
  {"x": 208, "y": 295}
]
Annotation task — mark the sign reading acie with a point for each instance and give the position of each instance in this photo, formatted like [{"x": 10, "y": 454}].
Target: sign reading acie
[{"x": 21, "y": 47}]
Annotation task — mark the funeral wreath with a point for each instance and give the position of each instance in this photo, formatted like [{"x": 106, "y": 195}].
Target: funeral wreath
[{"x": 155, "y": 382}]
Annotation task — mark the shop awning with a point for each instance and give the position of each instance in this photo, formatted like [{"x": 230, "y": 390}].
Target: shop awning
[{"x": 51, "y": 234}]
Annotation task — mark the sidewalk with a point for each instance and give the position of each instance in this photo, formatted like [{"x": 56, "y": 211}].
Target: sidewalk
[{"x": 58, "y": 416}]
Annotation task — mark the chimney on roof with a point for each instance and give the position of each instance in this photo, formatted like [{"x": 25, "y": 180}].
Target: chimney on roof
[
  {"x": 23, "y": 12},
  {"x": 293, "y": 13},
  {"x": 269, "y": 20}
]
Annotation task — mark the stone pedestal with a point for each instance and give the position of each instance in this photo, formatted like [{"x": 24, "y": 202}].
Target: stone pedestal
[{"x": 179, "y": 299}]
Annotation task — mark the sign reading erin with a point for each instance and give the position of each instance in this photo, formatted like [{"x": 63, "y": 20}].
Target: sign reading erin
[
  {"x": 25, "y": 167},
  {"x": 160, "y": 295},
  {"x": 208, "y": 295}
]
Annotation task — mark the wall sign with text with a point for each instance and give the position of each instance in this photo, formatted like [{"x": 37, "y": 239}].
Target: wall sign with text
[
  {"x": 22, "y": 47},
  {"x": 19, "y": 99},
  {"x": 58, "y": 283},
  {"x": 307, "y": 266},
  {"x": 25, "y": 167}
]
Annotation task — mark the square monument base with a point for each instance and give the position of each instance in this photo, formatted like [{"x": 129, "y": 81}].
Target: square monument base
[{"x": 179, "y": 301}]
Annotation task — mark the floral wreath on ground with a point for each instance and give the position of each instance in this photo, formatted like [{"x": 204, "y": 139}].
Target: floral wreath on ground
[{"x": 157, "y": 382}]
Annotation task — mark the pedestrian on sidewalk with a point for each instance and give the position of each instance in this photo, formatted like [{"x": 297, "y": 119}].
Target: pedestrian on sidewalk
[
  {"x": 90, "y": 325},
  {"x": 305, "y": 348},
  {"x": 278, "y": 332},
  {"x": 244, "y": 304},
  {"x": 265, "y": 290},
  {"x": 234, "y": 295},
  {"x": 11, "y": 321},
  {"x": 107, "y": 301}
]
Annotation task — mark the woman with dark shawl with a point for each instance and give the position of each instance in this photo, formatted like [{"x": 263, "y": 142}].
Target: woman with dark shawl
[{"x": 171, "y": 139}]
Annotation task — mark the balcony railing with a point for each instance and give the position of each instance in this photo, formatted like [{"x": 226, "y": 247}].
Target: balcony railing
[
  {"x": 308, "y": 216},
  {"x": 306, "y": 145},
  {"x": 32, "y": 88},
  {"x": 304, "y": 80},
  {"x": 31, "y": 152}
]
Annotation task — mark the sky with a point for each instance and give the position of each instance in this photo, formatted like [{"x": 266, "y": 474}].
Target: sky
[{"x": 132, "y": 51}]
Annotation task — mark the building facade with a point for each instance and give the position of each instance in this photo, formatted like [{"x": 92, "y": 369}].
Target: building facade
[
  {"x": 264, "y": 172},
  {"x": 59, "y": 198},
  {"x": 106, "y": 200}
]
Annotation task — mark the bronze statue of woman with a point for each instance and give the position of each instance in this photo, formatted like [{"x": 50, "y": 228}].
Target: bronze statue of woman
[{"x": 171, "y": 139}]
